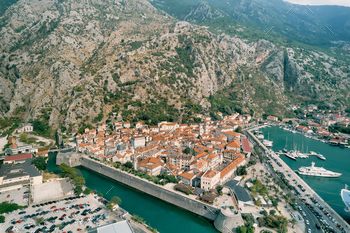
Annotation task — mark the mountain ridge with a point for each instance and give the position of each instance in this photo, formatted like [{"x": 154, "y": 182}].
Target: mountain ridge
[{"x": 73, "y": 63}]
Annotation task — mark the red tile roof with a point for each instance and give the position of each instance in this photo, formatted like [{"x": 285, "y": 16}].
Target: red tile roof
[
  {"x": 17, "y": 157},
  {"x": 246, "y": 146}
]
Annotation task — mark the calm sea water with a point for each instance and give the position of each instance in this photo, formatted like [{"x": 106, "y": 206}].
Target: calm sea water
[
  {"x": 337, "y": 160},
  {"x": 158, "y": 214}
]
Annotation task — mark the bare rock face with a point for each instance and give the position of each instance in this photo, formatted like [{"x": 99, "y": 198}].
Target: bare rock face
[{"x": 203, "y": 12}]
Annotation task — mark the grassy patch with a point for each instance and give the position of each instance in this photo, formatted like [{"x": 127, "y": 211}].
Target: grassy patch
[{"x": 45, "y": 148}]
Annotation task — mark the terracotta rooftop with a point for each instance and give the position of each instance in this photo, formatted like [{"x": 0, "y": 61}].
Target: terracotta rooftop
[
  {"x": 17, "y": 157},
  {"x": 210, "y": 174},
  {"x": 187, "y": 175}
]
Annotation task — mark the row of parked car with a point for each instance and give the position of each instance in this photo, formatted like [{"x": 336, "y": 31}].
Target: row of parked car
[
  {"x": 320, "y": 217},
  {"x": 53, "y": 202}
]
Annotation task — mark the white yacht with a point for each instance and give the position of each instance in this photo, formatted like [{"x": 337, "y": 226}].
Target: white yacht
[
  {"x": 345, "y": 196},
  {"x": 291, "y": 155},
  {"x": 260, "y": 136},
  {"x": 267, "y": 143},
  {"x": 302, "y": 155},
  {"x": 313, "y": 153},
  {"x": 320, "y": 156},
  {"x": 317, "y": 171}
]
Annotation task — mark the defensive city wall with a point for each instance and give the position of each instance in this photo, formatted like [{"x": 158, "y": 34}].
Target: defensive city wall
[{"x": 223, "y": 221}]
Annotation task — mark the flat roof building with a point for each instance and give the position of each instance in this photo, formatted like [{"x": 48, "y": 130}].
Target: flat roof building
[
  {"x": 16, "y": 175},
  {"x": 118, "y": 227}
]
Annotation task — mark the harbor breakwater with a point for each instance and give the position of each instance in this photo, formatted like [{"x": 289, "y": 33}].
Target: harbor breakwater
[{"x": 222, "y": 221}]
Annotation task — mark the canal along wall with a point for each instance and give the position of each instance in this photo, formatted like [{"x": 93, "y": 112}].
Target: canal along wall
[{"x": 222, "y": 221}]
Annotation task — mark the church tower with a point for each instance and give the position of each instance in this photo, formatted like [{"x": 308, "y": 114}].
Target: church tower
[
  {"x": 206, "y": 130},
  {"x": 201, "y": 130}
]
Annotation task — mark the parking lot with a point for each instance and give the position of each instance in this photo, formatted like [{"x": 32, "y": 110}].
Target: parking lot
[
  {"x": 67, "y": 215},
  {"x": 19, "y": 196}
]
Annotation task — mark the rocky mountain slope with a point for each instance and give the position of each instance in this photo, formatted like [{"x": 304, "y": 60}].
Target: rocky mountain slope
[
  {"x": 72, "y": 62},
  {"x": 306, "y": 24}
]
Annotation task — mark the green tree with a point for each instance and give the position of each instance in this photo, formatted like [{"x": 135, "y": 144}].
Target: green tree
[
  {"x": 263, "y": 212},
  {"x": 40, "y": 163},
  {"x": 241, "y": 229},
  {"x": 68, "y": 171},
  {"x": 188, "y": 150},
  {"x": 100, "y": 194},
  {"x": 129, "y": 165},
  {"x": 293, "y": 222},
  {"x": 239, "y": 130},
  {"x": 6, "y": 207},
  {"x": 116, "y": 200},
  {"x": 137, "y": 218},
  {"x": 258, "y": 202},
  {"x": 2, "y": 219},
  {"x": 23, "y": 137},
  {"x": 87, "y": 191},
  {"x": 42, "y": 127},
  {"x": 253, "y": 170},
  {"x": 261, "y": 171},
  {"x": 78, "y": 190},
  {"x": 79, "y": 180},
  {"x": 272, "y": 212}
]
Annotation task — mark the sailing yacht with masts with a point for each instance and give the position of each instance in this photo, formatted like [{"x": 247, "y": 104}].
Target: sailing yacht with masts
[
  {"x": 301, "y": 154},
  {"x": 267, "y": 143},
  {"x": 285, "y": 147}
]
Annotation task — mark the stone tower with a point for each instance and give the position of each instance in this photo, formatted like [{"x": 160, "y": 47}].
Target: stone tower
[
  {"x": 201, "y": 130},
  {"x": 228, "y": 220},
  {"x": 206, "y": 130},
  {"x": 134, "y": 162}
]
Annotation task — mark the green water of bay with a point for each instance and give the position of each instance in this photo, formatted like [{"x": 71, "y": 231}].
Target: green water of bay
[
  {"x": 337, "y": 160},
  {"x": 158, "y": 214}
]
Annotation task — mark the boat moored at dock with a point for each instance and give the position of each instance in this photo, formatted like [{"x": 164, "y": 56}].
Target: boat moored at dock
[
  {"x": 317, "y": 171},
  {"x": 313, "y": 153},
  {"x": 320, "y": 156},
  {"x": 267, "y": 143},
  {"x": 345, "y": 196},
  {"x": 291, "y": 155}
]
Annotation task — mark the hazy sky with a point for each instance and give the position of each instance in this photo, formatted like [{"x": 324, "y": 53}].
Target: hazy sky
[{"x": 321, "y": 2}]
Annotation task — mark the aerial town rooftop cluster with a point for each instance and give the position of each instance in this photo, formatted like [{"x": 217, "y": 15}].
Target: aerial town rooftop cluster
[
  {"x": 214, "y": 149},
  {"x": 318, "y": 124}
]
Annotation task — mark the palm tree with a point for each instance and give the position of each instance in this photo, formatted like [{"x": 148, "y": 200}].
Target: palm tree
[
  {"x": 274, "y": 179},
  {"x": 261, "y": 171},
  {"x": 253, "y": 170},
  {"x": 293, "y": 222}
]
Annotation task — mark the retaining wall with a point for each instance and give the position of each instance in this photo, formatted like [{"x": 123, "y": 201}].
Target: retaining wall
[{"x": 150, "y": 188}]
